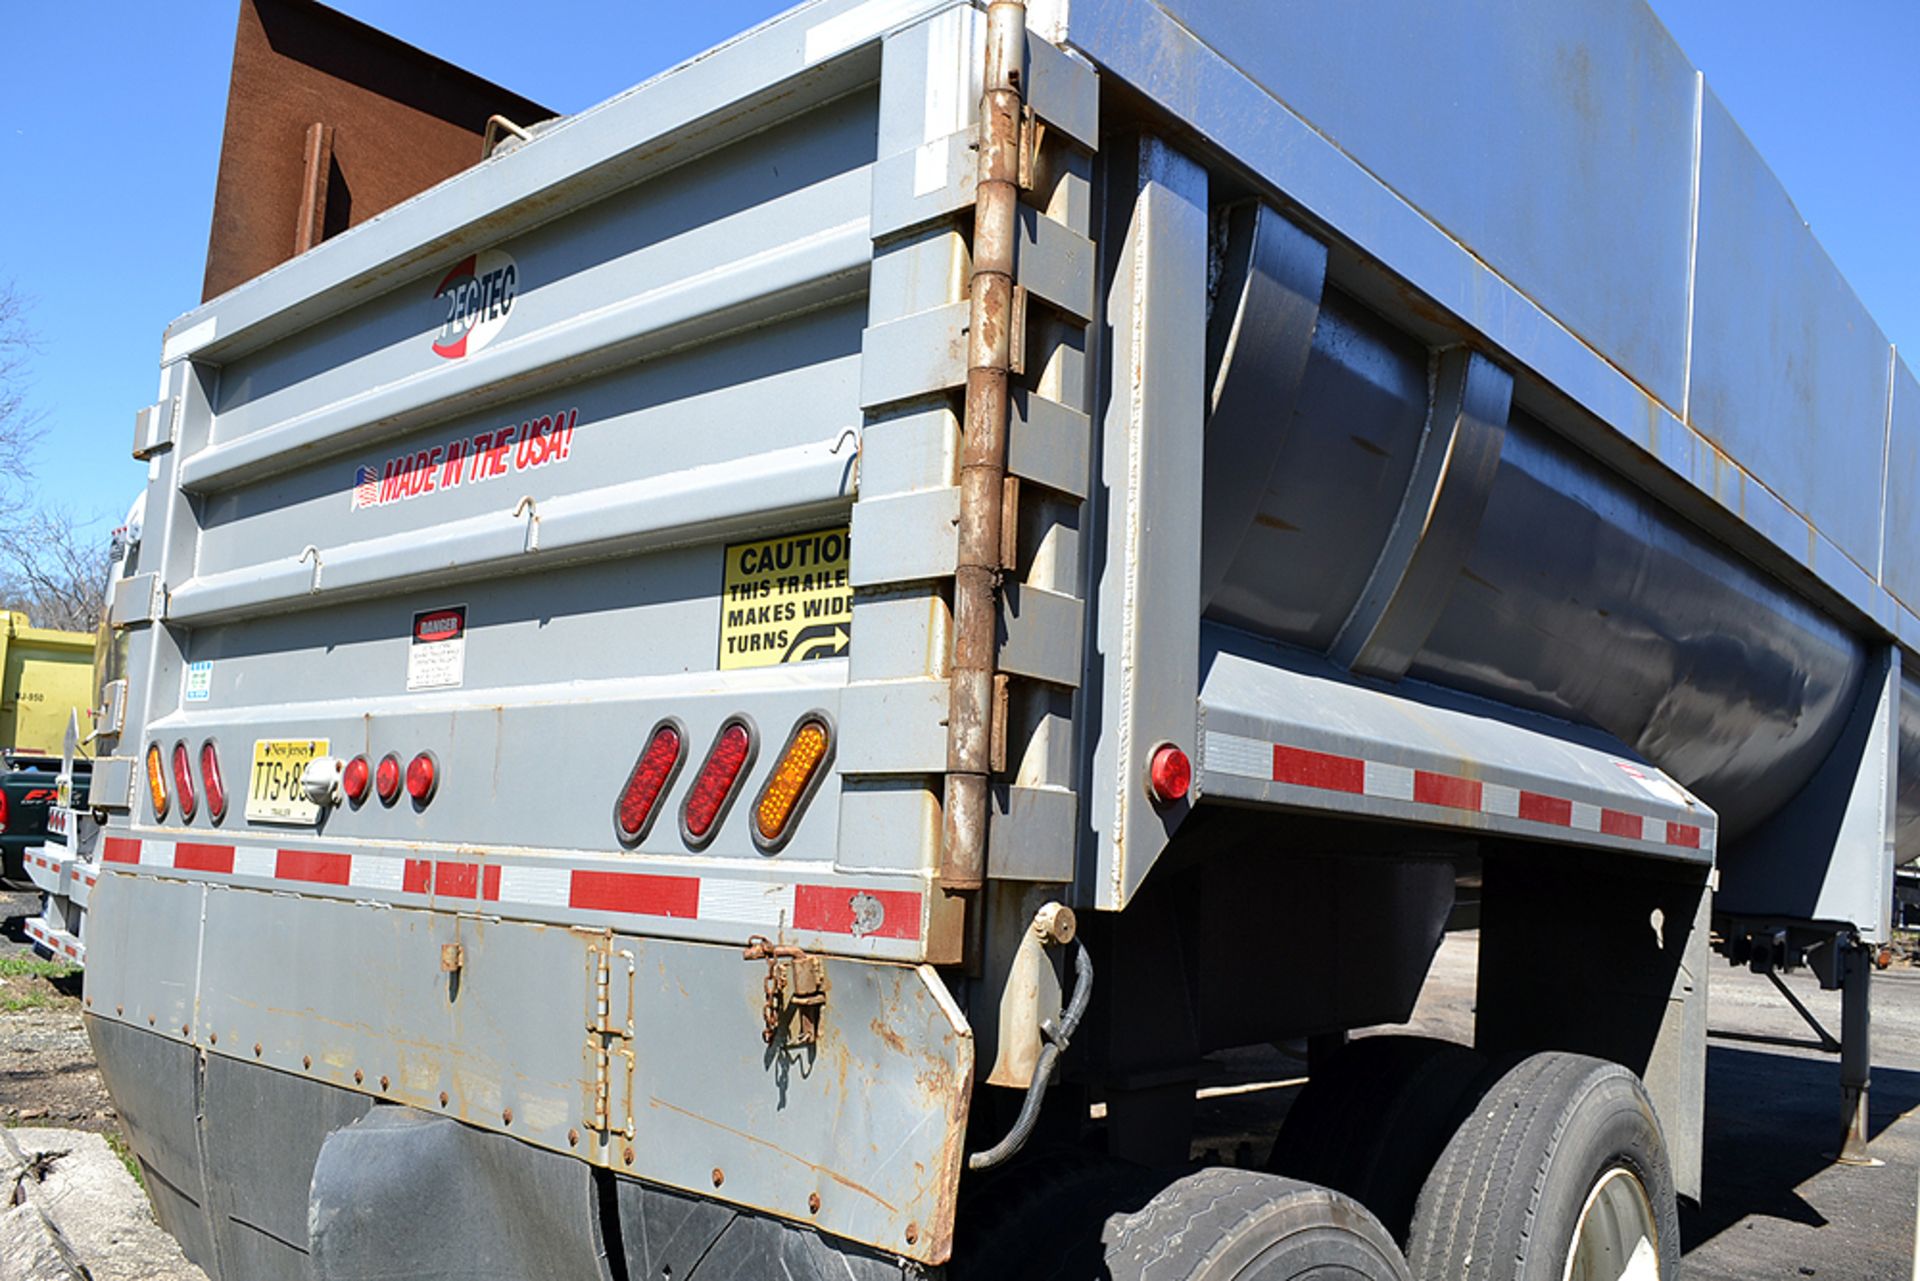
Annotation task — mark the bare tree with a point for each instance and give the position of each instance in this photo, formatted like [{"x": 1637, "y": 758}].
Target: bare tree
[
  {"x": 50, "y": 567},
  {"x": 54, "y": 570},
  {"x": 20, "y": 423}
]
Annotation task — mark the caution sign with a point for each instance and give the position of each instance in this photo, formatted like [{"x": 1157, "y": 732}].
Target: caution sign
[{"x": 786, "y": 600}]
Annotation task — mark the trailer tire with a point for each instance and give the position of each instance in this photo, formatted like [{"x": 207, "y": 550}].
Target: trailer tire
[
  {"x": 1373, "y": 1125},
  {"x": 1562, "y": 1154},
  {"x": 1246, "y": 1225}
]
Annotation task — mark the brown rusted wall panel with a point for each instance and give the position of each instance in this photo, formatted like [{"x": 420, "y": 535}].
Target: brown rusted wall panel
[{"x": 400, "y": 121}]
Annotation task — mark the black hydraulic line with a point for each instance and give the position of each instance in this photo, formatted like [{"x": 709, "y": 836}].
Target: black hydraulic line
[{"x": 1058, "y": 1032}]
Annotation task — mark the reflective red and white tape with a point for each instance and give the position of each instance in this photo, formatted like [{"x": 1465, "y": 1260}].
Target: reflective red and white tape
[
  {"x": 1445, "y": 794},
  {"x": 827, "y": 908},
  {"x": 58, "y": 944},
  {"x": 52, "y": 865}
]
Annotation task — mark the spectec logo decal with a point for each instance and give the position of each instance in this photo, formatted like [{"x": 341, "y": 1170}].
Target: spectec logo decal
[{"x": 478, "y": 295}]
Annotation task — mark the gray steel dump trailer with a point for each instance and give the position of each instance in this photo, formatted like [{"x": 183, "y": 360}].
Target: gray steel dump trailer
[{"x": 710, "y": 691}]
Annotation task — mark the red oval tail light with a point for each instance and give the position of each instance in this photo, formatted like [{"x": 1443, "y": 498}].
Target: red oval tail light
[
  {"x": 183, "y": 782},
  {"x": 215, "y": 785},
  {"x": 652, "y": 775},
  {"x": 719, "y": 779}
]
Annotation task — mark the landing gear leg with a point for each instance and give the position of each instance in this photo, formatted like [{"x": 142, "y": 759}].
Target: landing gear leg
[{"x": 1855, "y": 1052}]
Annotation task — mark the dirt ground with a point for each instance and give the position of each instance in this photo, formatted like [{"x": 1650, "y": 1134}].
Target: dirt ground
[{"x": 47, "y": 1074}]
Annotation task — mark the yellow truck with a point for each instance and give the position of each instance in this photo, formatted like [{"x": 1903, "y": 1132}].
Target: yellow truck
[{"x": 45, "y": 675}]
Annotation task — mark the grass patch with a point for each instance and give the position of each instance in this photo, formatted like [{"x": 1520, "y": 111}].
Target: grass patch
[
  {"x": 31, "y": 1001},
  {"x": 118, "y": 1143},
  {"x": 34, "y": 967}
]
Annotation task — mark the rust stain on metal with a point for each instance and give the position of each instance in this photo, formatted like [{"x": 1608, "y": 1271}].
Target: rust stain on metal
[
  {"x": 813, "y": 1203},
  {"x": 757, "y": 1141},
  {"x": 719, "y": 1176},
  {"x": 306, "y": 1061},
  {"x": 888, "y": 1035}
]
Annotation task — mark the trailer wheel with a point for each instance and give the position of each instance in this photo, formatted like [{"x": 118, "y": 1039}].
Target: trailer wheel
[
  {"x": 1560, "y": 1174},
  {"x": 1244, "y": 1225},
  {"x": 1375, "y": 1122}
]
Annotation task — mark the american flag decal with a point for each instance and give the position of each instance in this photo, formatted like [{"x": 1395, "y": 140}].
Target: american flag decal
[{"x": 366, "y": 488}]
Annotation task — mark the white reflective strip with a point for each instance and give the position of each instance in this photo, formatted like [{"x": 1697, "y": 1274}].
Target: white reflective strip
[
  {"x": 156, "y": 853},
  {"x": 1237, "y": 755},
  {"x": 1498, "y": 798},
  {"x": 1586, "y": 817},
  {"x": 544, "y": 885},
  {"x": 255, "y": 860},
  {"x": 1391, "y": 782},
  {"x": 746, "y": 902},
  {"x": 377, "y": 872}
]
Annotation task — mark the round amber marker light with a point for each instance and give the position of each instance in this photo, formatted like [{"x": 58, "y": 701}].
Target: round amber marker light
[{"x": 789, "y": 780}]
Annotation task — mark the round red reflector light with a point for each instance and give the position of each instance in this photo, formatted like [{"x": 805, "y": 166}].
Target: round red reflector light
[
  {"x": 354, "y": 779},
  {"x": 423, "y": 775},
  {"x": 1169, "y": 775},
  {"x": 652, "y": 775},
  {"x": 386, "y": 779},
  {"x": 183, "y": 781},
  {"x": 719, "y": 779},
  {"x": 216, "y": 786}
]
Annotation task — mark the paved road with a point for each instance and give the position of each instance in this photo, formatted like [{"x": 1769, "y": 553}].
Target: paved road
[{"x": 1774, "y": 1205}]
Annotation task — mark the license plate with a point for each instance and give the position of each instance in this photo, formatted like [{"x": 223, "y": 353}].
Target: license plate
[{"x": 273, "y": 790}]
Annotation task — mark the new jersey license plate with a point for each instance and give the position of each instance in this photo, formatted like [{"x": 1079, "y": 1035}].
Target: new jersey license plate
[{"x": 274, "y": 794}]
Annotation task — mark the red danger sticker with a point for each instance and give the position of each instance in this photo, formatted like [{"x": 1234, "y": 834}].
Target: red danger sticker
[{"x": 437, "y": 655}]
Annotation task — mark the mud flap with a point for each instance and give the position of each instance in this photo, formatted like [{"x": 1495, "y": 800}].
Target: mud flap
[{"x": 401, "y": 1193}]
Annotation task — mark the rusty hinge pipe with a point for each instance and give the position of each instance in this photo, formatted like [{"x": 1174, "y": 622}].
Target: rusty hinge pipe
[{"x": 983, "y": 452}]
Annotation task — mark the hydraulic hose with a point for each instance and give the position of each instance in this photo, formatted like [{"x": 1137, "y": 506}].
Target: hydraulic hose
[{"x": 1058, "y": 1033}]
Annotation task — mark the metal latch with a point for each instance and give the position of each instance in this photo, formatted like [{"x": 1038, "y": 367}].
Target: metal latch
[{"x": 796, "y": 989}]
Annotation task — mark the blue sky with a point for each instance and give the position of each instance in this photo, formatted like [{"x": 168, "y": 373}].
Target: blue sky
[{"x": 110, "y": 121}]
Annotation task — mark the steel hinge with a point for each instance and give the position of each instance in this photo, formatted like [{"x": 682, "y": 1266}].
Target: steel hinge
[
  {"x": 796, "y": 992},
  {"x": 609, "y": 1039}
]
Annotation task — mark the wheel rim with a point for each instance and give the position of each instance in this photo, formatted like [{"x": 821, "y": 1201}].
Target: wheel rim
[{"x": 1616, "y": 1238}]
